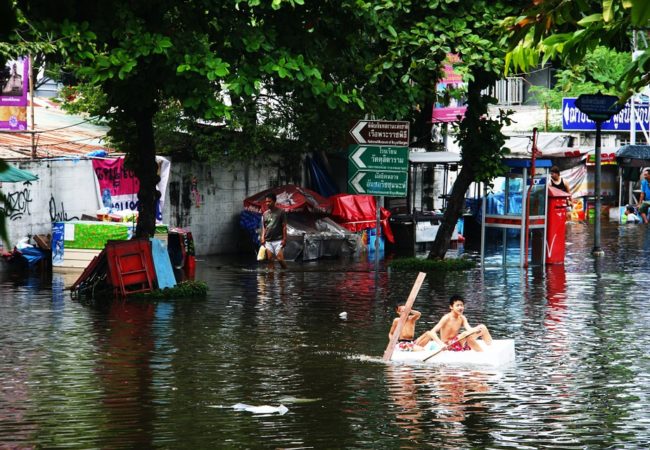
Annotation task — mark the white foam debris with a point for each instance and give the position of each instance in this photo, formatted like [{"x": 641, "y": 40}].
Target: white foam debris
[{"x": 264, "y": 409}]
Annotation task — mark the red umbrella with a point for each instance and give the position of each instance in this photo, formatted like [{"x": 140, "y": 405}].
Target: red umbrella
[{"x": 292, "y": 198}]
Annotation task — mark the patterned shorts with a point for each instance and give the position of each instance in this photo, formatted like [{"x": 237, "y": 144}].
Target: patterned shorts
[
  {"x": 405, "y": 346},
  {"x": 454, "y": 345}
]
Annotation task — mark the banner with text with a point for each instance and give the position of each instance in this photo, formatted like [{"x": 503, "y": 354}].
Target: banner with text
[
  {"x": 449, "y": 107},
  {"x": 14, "y": 77},
  {"x": 118, "y": 187}
]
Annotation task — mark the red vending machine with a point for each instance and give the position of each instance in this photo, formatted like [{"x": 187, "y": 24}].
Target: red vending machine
[{"x": 556, "y": 226}]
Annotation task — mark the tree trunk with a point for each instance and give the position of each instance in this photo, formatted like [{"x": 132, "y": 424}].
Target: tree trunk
[
  {"x": 146, "y": 170},
  {"x": 455, "y": 207},
  {"x": 475, "y": 137}
]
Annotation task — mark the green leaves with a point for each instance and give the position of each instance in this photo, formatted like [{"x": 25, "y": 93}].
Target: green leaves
[
  {"x": 571, "y": 29},
  {"x": 640, "y": 12}
]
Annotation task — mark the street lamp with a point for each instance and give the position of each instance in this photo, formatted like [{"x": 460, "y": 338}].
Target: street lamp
[{"x": 599, "y": 108}]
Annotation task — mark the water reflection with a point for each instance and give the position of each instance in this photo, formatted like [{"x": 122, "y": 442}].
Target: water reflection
[{"x": 125, "y": 343}]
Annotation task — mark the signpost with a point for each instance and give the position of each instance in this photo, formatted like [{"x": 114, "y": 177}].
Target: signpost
[
  {"x": 382, "y": 132},
  {"x": 377, "y": 170},
  {"x": 364, "y": 157},
  {"x": 575, "y": 120},
  {"x": 599, "y": 108},
  {"x": 378, "y": 165},
  {"x": 389, "y": 184}
]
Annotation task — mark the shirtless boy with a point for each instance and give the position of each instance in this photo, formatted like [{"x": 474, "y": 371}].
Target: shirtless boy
[
  {"x": 449, "y": 327},
  {"x": 407, "y": 335}
]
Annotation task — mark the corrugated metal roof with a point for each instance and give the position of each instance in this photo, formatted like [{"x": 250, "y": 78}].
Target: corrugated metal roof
[{"x": 57, "y": 135}]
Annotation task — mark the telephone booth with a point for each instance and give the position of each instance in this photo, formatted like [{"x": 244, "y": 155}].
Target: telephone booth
[{"x": 514, "y": 216}]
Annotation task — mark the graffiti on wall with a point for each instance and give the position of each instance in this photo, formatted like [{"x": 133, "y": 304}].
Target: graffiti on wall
[
  {"x": 18, "y": 202},
  {"x": 59, "y": 215}
]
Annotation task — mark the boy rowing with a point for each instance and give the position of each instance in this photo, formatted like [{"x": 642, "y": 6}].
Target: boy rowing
[
  {"x": 449, "y": 327},
  {"x": 407, "y": 334}
]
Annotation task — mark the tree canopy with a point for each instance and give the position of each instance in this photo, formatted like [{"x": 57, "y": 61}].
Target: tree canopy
[
  {"x": 600, "y": 71},
  {"x": 567, "y": 31},
  {"x": 285, "y": 71}
]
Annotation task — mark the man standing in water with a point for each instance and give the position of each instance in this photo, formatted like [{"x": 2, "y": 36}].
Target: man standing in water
[
  {"x": 644, "y": 198},
  {"x": 274, "y": 231}
]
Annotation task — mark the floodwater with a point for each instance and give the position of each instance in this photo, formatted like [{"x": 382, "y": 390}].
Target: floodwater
[{"x": 167, "y": 374}]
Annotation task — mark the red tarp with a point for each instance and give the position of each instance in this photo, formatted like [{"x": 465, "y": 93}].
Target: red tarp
[
  {"x": 292, "y": 198},
  {"x": 358, "y": 212}
]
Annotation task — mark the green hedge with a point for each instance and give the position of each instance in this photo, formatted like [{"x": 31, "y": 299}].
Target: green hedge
[
  {"x": 430, "y": 265},
  {"x": 186, "y": 289}
]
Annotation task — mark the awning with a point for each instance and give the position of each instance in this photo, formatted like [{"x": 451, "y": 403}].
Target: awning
[
  {"x": 633, "y": 156},
  {"x": 434, "y": 157},
  {"x": 12, "y": 174}
]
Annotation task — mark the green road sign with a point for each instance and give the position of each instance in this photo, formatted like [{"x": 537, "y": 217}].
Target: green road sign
[
  {"x": 389, "y": 184},
  {"x": 372, "y": 157}
]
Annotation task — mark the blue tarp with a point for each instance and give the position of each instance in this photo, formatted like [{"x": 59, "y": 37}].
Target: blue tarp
[
  {"x": 15, "y": 175},
  {"x": 321, "y": 181},
  {"x": 251, "y": 222}
]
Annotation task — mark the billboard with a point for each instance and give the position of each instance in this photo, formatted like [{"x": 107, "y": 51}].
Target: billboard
[
  {"x": 449, "y": 109},
  {"x": 574, "y": 120},
  {"x": 14, "y": 83}
]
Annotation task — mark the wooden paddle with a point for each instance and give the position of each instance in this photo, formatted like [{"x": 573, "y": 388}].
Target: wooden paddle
[
  {"x": 461, "y": 336},
  {"x": 405, "y": 313}
]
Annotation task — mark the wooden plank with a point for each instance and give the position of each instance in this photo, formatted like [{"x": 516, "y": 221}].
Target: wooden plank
[
  {"x": 164, "y": 270},
  {"x": 76, "y": 259},
  {"x": 402, "y": 318}
]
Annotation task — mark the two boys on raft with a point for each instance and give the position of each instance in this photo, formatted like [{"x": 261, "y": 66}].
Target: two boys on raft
[{"x": 449, "y": 328}]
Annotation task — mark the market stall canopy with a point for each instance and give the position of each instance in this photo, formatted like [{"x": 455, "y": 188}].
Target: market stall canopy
[
  {"x": 633, "y": 156},
  {"x": 358, "y": 212},
  {"x": 291, "y": 198},
  {"x": 13, "y": 174}
]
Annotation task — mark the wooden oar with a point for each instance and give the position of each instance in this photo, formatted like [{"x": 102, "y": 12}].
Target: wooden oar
[
  {"x": 402, "y": 318},
  {"x": 461, "y": 336}
]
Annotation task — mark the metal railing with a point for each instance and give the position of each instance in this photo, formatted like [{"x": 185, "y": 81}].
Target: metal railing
[{"x": 508, "y": 91}]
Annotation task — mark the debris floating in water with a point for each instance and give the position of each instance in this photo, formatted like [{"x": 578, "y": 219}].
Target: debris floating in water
[
  {"x": 343, "y": 315},
  {"x": 264, "y": 409}
]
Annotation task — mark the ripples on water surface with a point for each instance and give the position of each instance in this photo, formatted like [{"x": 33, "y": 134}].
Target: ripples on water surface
[{"x": 166, "y": 375}]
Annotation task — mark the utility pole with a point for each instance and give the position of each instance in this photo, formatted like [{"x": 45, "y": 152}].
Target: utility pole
[{"x": 31, "y": 104}]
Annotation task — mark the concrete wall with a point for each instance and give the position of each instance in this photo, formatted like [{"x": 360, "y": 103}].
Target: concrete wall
[{"x": 205, "y": 198}]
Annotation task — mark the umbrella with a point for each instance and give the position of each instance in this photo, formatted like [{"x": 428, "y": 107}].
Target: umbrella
[
  {"x": 292, "y": 198},
  {"x": 12, "y": 174}
]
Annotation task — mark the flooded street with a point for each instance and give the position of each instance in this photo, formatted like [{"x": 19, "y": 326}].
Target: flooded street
[{"x": 167, "y": 374}]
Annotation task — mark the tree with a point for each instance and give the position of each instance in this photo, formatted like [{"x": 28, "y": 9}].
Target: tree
[
  {"x": 568, "y": 31},
  {"x": 208, "y": 59},
  {"x": 219, "y": 62},
  {"x": 419, "y": 36}
]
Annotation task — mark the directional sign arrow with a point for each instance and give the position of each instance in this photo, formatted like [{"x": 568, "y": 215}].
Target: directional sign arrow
[
  {"x": 392, "y": 184},
  {"x": 356, "y": 157},
  {"x": 356, "y": 180},
  {"x": 356, "y": 132},
  {"x": 368, "y": 157}
]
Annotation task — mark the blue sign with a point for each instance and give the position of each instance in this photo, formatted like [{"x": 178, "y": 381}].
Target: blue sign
[{"x": 575, "y": 120}]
